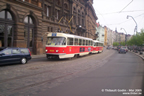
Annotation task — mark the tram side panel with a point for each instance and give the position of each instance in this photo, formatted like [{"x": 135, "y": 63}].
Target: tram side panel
[{"x": 68, "y": 51}]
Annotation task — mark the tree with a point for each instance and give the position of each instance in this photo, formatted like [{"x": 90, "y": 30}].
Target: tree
[
  {"x": 137, "y": 39},
  {"x": 115, "y": 43}
]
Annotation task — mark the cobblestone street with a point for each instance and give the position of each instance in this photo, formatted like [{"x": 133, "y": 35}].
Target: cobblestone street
[{"x": 39, "y": 74}]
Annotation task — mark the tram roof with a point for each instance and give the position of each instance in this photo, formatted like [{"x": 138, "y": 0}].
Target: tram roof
[
  {"x": 67, "y": 35},
  {"x": 97, "y": 41}
]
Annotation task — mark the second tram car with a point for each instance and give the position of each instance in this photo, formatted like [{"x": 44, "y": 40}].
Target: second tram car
[
  {"x": 97, "y": 46},
  {"x": 62, "y": 45}
]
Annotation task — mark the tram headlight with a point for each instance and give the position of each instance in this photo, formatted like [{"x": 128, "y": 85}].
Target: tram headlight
[
  {"x": 46, "y": 50},
  {"x": 57, "y": 50}
]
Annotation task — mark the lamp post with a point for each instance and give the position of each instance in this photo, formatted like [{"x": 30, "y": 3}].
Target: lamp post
[
  {"x": 135, "y": 30},
  {"x": 126, "y": 34}
]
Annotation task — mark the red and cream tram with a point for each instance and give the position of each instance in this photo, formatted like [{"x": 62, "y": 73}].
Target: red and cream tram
[
  {"x": 97, "y": 46},
  {"x": 62, "y": 45}
]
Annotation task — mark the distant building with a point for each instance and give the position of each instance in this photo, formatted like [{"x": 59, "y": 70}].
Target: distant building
[
  {"x": 128, "y": 37},
  {"x": 101, "y": 33}
]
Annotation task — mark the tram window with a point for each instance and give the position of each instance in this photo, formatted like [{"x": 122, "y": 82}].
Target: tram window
[
  {"x": 64, "y": 41},
  {"x": 80, "y": 42},
  {"x": 87, "y": 42},
  {"x": 76, "y": 41},
  {"x": 93, "y": 44},
  {"x": 96, "y": 44},
  {"x": 69, "y": 41},
  {"x": 84, "y": 42},
  {"x": 90, "y": 43},
  {"x": 55, "y": 41}
]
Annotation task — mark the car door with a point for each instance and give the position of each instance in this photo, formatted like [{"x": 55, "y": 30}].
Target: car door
[
  {"x": 5, "y": 56},
  {"x": 16, "y": 55}
]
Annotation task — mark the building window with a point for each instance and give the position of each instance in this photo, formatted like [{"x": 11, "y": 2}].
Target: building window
[
  {"x": 74, "y": 19},
  {"x": 47, "y": 14},
  {"x": 82, "y": 22},
  {"x": 48, "y": 29},
  {"x": 78, "y": 20},
  {"x": 6, "y": 29},
  {"x": 58, "y": 2},
  {"x": 29, "y": 32},
  {"x": 57, "y": 14},
  {"x": 51, "y": 29},
  {"x": 47, "y": 10},
  {"x": 74, "y": 9},
  {"x": 65, "y": 6}
]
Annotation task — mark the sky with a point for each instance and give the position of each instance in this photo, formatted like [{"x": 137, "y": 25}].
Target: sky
[{"x": 113, "y": 14}]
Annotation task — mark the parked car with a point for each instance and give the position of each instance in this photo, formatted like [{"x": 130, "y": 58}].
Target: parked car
[
  {"x": 14, "y": 55},
  {"x": 122, "y": 50},
  {"x": 125, "y": 47},
  {"x": 108, "y": 47},
  {"x": 115, "y": 48}
]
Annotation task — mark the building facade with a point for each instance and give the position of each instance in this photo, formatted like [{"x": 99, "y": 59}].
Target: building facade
[
  {"x": 101, "y": 34},
  {"x": 24, "y": 23},
  {"x": 20, "y": 24}
]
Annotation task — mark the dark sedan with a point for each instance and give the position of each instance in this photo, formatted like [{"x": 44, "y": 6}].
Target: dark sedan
[
  {"x": 14, "y": 55},
  {"x": 122, "y": 50}
]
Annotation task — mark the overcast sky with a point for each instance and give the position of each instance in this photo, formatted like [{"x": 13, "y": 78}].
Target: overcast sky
[{"x": 113, "y": 13}]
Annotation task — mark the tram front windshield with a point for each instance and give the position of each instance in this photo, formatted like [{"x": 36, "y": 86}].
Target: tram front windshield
[{"x": 56, "y": 41}]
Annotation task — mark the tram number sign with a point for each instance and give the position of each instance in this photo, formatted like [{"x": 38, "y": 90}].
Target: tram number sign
[{"x": 54, "y": 34}]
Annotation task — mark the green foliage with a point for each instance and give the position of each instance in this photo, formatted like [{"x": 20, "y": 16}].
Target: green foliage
[
  {"x": 122, "y": 43},
  {"x": 115, "y": 43},
  {"x": 137, "y": 39}
]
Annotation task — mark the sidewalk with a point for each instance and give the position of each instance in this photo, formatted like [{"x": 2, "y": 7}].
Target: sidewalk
[{"x": 38, "y": 56}]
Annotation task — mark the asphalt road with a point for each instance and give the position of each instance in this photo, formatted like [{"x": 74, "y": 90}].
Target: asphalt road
[{"x": 120, "y": 75}]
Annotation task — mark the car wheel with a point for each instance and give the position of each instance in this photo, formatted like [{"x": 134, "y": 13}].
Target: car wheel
[{"x": 23, "y": 60}]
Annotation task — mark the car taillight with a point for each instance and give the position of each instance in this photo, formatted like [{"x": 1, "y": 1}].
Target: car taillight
[{"x": 29, "y": 52}]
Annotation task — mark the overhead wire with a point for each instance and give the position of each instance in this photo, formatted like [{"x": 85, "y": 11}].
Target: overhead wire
[
  {"x": 126, "y": 20},
  {"x": 125, "y": 6}
]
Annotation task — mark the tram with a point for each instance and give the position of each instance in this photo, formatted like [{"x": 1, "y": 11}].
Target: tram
[
  {"x": 97, "y": 46},
  {"x": 62, "y": 45}
]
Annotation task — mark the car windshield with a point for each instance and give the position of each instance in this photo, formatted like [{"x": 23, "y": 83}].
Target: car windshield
[
  {"x": 124, "y": 47},
  {"x": 56, "y": 41}
]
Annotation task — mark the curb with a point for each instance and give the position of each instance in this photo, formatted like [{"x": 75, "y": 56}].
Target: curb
[
  {"x": 138, "y": 54},
  {"x": 38, "y": 56}
]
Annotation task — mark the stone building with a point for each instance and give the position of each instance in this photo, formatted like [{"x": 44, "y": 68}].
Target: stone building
[{"x": 23, "y": 23}]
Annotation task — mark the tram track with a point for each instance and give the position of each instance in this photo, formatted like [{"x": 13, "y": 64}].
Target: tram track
[
  {"x": 99, "y": 64},
  {"x": 25, "y": 82}
]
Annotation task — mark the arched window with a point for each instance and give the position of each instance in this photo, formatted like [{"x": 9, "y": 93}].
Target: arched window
[
  {"x": 6, "y": 29},
  {"x": 65, "y": 6},
  {"x": 29, "y": 32}
]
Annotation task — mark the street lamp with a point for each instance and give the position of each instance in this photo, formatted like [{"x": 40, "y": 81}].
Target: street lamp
[
  {"x": 126, "y": 34},
  {"x": 135, "y": 30}
]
